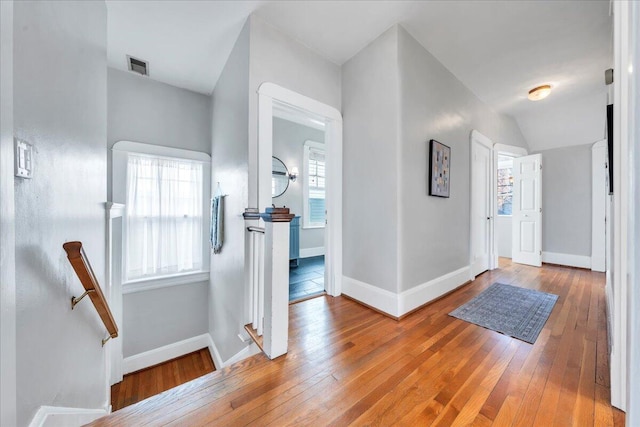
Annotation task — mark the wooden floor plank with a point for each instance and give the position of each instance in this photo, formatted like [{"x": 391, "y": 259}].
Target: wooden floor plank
[{"x": 349, "y": 365}]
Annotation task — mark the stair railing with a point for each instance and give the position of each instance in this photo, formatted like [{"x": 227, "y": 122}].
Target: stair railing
[{"x": 83, "y": 269}]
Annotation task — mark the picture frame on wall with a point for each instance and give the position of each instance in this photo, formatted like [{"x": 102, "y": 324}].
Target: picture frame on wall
[{"x": 439, "y": 169}]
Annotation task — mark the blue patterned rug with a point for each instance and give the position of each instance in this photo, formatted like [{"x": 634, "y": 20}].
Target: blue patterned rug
[{"x": 517, "y": 312}]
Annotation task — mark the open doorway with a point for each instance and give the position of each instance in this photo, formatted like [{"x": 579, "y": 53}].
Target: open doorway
[{"x": 298, "y": 182}]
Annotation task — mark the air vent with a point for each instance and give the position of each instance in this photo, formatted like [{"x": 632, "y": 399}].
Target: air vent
[{"x": 138, "y": 65}]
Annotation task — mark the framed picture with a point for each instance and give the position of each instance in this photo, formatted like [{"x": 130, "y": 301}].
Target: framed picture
[{"x": 440, "y": 169}]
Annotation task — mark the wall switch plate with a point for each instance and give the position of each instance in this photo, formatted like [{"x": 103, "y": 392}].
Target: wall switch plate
[{"x": 23, "y": 154}]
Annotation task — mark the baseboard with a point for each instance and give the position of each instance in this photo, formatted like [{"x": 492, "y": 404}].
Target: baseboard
[
  {"x": 247, "y": 351},
  {"x": 167, "y": 352},
  {"x": 419, "y": 295},
  {"x": 581, "y": 261},
  {"x": 379, "y": 299},
  {"x": 311, "y": 252},
  {"x": 61, "y": 416},
  {"x": 397, "y": 305}
]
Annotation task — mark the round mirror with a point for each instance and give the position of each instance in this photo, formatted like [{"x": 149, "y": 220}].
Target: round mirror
[{"x": 279, "y": 177}]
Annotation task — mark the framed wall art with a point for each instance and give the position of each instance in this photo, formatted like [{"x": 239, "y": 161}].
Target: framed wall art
[{"x": 439, "y": 169}]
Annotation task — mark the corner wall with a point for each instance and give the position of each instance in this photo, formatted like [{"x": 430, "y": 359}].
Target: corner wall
[
  {"x": 60, "y": 106},
  {"x": 229, "y": 155}
]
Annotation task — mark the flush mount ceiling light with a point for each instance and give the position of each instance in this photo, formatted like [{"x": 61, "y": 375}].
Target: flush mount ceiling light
[{"x": 540, "y": 92}]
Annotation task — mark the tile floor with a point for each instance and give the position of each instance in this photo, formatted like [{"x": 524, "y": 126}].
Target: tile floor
[{"x": 307, "y": 278}]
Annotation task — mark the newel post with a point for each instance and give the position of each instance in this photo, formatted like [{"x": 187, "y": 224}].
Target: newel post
[{"x": 276, "y": 280}]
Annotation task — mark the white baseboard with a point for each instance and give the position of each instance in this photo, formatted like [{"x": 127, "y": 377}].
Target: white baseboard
[
  {"x": 422, "y": 294},
  {"x": 398, "y": 305},
  {"x": 311, "y": 252},
  {"x": 582, "y": 261},
  {"x": 247, "y": 351},
  {"x": 380, "y": 299},
  {"x": 55, "y": 416},
  {"x": 167, "y": 352}
]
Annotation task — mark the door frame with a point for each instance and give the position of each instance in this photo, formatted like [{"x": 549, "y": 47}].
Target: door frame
[
  {"x": 506, "y": 150},
  {"x": 269, "y": 94},
  {"x": 599, "y": 177},
  {"x": 477, "y": 137}
]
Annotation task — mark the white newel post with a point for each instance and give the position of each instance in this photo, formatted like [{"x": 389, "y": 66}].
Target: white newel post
[{"x": 276, "y": 281}]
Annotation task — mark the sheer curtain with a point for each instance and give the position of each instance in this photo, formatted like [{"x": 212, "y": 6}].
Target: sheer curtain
[{"x": 164, "y": 217}]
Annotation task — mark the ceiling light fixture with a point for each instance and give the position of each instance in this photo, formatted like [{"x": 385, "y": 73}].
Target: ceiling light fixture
[{"x": 540, "y": 92}]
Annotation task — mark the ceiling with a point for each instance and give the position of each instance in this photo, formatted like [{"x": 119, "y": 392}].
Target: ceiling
[{"x": 498, "y": 49}]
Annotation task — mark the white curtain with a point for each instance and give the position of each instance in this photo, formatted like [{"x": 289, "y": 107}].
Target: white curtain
[{"x": 164, "y": 216}]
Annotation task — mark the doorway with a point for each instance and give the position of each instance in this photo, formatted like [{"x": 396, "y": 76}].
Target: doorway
[
  {"x": 299, "y": 182},
  {"x": 276, "y": 101}
]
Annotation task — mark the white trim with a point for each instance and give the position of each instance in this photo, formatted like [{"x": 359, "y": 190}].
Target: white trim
[
  {"x": 162, "y": 354},
  {"x": 426, "y": 292},
  {"x": 62, "y": 416},
  {"x": 510, "y": 150},
  {"x": 400, "y": 304},
  {"x": 308, "y": 144},
  {"x": 160, "y": 151},
  {"x": 599, "y": 177},
  {"x": 295, "y": 99},
  {"x": 311, "y": 252},
  {"x": 581, "y": 261},
  {"x": 164, "y": 282},
  {"x": 373, "y": 296},
  {"x": 248, "y": 351}
]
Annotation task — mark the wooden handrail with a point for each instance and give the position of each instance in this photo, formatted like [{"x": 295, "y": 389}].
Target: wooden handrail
[{"x": 83, "y": 269}]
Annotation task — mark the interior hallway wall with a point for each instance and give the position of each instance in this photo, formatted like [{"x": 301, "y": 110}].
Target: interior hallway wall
[
  {"x": 60, "y": 106},
  {"x": 147, "y": 111}
]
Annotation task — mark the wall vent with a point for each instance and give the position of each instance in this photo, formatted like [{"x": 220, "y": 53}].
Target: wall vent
[{"x": 138, "y": 65}]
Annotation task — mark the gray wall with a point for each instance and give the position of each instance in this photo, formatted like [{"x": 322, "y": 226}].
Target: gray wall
[
  {"x": 279, "y": 59},
  {"x": 566, "y": 200},
  {"x": 143, "y": 110},
  {"x": 288, "y": 146},
  {"x": 7, "y": 224},
  {"x": 164, "y": 316},
  {"x": 60, "y": 106},
  {"x": 436, "y": 105},
  {"x": 230, "y": 113},
  {"x": 370, "y": 107}
]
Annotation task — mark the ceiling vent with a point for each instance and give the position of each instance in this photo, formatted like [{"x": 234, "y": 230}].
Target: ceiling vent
[{"x": 138, "y": 65}]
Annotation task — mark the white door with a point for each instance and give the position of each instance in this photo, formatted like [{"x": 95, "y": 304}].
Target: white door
[
  {"x": 527, "y": 210},
  {"x": 481, "y": 206}
]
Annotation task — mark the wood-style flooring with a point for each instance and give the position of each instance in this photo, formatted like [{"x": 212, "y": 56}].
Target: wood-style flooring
[
  {"x": 349, "y": 365},
  {"x": 145, "y": 383}
]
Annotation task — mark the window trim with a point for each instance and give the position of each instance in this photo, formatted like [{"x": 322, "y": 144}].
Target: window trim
[
  {"x": 308, "y": 144},
  {"x": 120, "y": 152}
]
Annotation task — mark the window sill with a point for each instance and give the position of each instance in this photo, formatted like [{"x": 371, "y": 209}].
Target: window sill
[
  {"x": 142, "y": 285},
  {"x": 307, "y": 227}
]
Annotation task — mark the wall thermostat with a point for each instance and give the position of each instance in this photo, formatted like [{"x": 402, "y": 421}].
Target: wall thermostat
[{"x": 23, "y": 155}]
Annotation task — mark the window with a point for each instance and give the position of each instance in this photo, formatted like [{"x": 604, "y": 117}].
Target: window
[
  {"x": 314, "y": 185},
  {"x": 505, "y": 184},
  {"x": 164, "y": 223}
]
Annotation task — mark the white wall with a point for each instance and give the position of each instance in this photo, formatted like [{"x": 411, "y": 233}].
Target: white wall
[
  {"x": 279, "y": 59},
  {"x": 566, "y": 200},
  {"x": 288, "y": 146},
  {"x": 434, "y": 232},
  {"x": 504, "y": 227},
  {"x": 7, "y": 224},
  {"x": 60, "y": 106},
  {"x": 370, "y": 106},
  {"x": 577, "y": 121},
  {"x": 230, "y": 114},
  {"x": 143, "y": 110}
]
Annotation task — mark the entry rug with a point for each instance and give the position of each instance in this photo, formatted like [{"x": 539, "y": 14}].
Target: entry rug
[{"x": 517, "y": 312}]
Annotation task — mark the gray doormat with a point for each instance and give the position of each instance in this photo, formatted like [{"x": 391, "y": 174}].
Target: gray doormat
[{"x": 516, "y": 312}]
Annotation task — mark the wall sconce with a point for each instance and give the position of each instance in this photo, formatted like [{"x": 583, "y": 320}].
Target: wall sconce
[{"x": 293, "y": 175}]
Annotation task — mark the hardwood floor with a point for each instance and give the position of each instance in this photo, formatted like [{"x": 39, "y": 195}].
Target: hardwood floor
[
  {"x": 145, "y": 383},
  {"x": 348, "y": 365}
]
